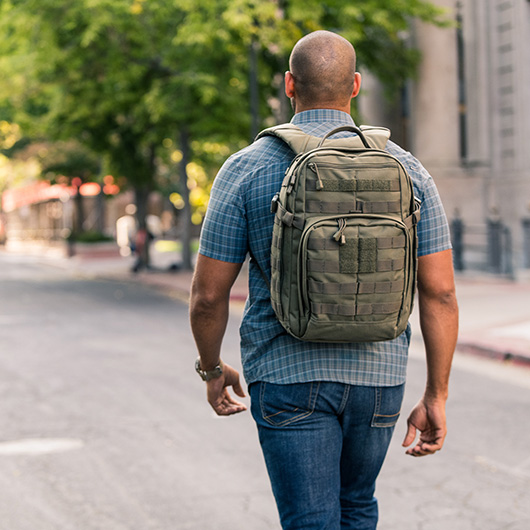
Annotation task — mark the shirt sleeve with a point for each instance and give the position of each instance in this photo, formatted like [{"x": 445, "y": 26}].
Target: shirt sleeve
[
  {"x": 224, "y": 230},
  {"x": 433, "y": 228}
]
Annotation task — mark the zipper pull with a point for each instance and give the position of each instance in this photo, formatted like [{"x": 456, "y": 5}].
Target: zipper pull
[
  {"x": 320, "y": 184},
  {"x": 339, "y": 236}
]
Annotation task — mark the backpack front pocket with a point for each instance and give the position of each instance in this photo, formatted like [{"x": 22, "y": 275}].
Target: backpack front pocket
[{"x": 352, "y": 278}]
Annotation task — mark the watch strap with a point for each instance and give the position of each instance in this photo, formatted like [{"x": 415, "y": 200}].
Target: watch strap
[{"x": 208, "y": 375}]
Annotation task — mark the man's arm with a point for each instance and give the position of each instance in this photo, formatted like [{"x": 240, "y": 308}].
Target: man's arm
[
  {"x": 439, "y": 326},
  {"x": 209, "y": 308}
]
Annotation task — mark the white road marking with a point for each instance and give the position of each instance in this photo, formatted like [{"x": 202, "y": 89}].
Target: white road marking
[{"x": 39, "y": 446}]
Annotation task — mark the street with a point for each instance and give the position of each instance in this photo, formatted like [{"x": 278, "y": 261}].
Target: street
[{"x": 104, "y": 424}]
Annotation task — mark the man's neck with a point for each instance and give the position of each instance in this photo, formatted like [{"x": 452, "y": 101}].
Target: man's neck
[{"x": 345, "y": 108}]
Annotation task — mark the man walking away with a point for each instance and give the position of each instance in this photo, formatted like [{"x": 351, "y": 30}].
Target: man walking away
[{"x": 325, "y": 411}]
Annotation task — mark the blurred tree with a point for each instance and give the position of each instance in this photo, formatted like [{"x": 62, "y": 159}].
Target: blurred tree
[
  {"x": 70, "y": 163},
  {"x": 14, "y": 171},
  {"x": 123, "y": 76}
]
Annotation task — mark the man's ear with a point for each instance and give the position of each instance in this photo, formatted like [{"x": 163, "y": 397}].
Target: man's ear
[
  {"x": 356, "y": 85},
  {"x": 289, "y": 85}
]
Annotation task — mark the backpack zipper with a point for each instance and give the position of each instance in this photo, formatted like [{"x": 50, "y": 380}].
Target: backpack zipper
[
  {"x": 314, "y": 167},
  {"x": 339, "y": 236}
]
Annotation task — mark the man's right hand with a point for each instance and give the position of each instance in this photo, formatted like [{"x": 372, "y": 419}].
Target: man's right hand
[{"x": 219, "y": 397}]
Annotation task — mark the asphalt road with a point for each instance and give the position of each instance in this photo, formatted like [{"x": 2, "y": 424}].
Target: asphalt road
[{"x": 104, "y": 424}]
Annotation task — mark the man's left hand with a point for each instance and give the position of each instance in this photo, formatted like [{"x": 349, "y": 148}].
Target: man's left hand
[{"x": 428, "y": 417}]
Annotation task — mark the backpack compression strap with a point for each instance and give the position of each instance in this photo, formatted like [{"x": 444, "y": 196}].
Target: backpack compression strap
[{"x": 300, "y": 142}]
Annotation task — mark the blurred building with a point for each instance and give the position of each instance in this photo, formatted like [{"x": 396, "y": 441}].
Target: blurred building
[
  {"x": 41, "y": 216},
  {"x": 467, "y": 116},
  {"x": 44, "y": 213}
]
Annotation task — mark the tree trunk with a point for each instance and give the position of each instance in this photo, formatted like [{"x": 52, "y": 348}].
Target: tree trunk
[
  {"x": 100, "y": 205},
  {"x": 141, "y": 243},
  {"x": 185, "y": 236},
  {"x": 78, "y": 227}
]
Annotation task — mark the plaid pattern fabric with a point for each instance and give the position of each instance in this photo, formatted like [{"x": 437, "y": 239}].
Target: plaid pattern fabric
[{"x": 239, "y": 219}]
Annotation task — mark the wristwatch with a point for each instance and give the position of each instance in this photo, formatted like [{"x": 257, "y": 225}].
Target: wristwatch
[{"x": 208, "y": 375}]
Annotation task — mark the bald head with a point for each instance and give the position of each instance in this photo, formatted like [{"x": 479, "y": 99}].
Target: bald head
[{"x": 323, "y": 68}]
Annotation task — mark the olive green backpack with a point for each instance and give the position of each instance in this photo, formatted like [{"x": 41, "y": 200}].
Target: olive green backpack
[{"x": 343, "y": 257}]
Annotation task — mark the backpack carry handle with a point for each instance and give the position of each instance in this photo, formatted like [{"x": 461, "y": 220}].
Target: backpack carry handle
[{"x": 346, "y": 128}]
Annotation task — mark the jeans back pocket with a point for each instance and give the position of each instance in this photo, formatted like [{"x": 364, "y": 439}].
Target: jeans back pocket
[
  {"x": 282, "y": 405},
  {"x": 387, "y": 405}
]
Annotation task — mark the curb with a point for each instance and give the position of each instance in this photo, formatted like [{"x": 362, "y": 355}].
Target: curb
[{"x": 505, "y": 356}]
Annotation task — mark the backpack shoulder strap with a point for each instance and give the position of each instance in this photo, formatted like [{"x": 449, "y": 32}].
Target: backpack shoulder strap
[
  {"x": 300, "y": 142},
  {"x": 293, "y": 136},
  {"x": 378, "y": 136}
]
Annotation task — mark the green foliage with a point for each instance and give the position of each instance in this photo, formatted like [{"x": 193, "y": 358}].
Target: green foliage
[
  {"x": 90, "y": 237},
  {"x": 123, "y": 76},
  {"x": 69, "y": 159}
]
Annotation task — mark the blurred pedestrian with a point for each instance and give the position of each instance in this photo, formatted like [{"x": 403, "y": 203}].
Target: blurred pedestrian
[{"x": 126, "y": 228}]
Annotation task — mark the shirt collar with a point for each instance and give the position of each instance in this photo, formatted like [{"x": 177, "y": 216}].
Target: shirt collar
[{"x": 322, "y": 115}]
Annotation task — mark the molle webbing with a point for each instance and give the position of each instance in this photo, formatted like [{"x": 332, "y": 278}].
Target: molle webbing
[
  {"x": 331, "y": 244},
  {"x": 330, "y": 207},
  {"x": 348, "y": 266},
  {"x": 352, "y": 185},
  {"x": 339, "y": 289},
  {"x": 355, "y": 310}
]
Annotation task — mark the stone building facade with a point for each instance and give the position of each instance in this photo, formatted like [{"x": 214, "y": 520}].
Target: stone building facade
[{"x": 467, "y": 116}]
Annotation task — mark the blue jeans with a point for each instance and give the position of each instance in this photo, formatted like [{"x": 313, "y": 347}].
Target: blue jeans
[{"x": 324, "y": 444}]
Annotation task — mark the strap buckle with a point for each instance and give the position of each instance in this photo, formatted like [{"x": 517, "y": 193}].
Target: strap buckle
[{"x": 274, "y": 203}]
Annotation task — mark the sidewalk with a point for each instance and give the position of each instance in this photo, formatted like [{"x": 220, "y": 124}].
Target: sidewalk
[
  {"x": 494, "y": 313},
  {"x": 495, "y": 318}
]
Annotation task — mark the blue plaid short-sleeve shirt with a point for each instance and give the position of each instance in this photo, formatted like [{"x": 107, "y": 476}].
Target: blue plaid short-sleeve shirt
[{"x": 239, "y": 219}]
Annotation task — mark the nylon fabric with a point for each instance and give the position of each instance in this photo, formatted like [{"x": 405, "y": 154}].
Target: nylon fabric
[{"x": 345, "y": 228}]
